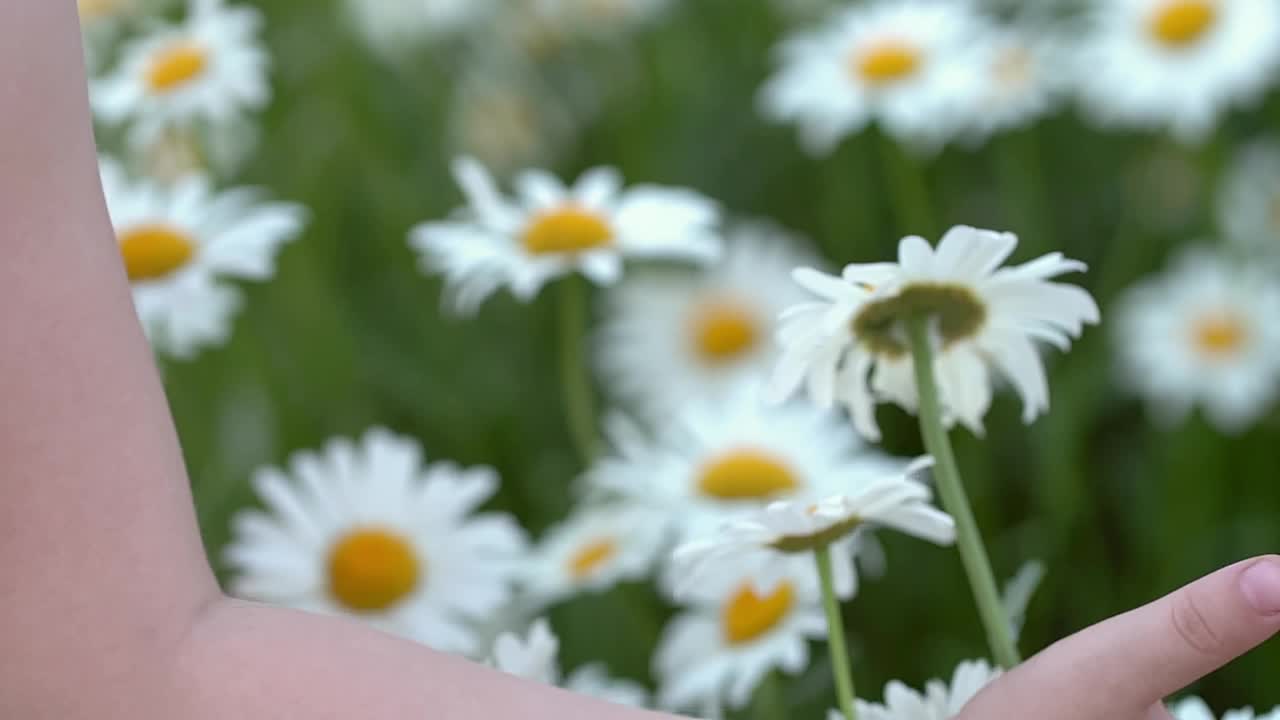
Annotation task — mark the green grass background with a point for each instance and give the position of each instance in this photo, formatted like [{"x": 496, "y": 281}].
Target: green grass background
[{"x": 349, "y": 334}]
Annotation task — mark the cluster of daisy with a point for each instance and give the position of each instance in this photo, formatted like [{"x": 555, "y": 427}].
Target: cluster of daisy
[
  {"x": 174, "y": 100},
  {"x": 931, "y": 72}
]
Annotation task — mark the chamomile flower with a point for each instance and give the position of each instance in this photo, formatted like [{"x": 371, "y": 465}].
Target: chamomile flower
[
  {"x": 177, "y": 244},
  {"x": 1193, "y": 708},
  {"x": 1176, "y": 64},
  {"x": 209, "y": 69},
  {"x": 507, "y": 117},
  {"x": 595, "y": 549},
  {"x": 718, "y": 461},
  {"x": 390, "y": 26},
  {"x": 742, "y": 621},
  {"x": 939, "y": 701},
  {"x": 1204, "y": 333},
  {"x": 1019, "y": 82},
  {"x": 850, "y": 346},
  {"x": 911, "y": 65},
  {"x": 1249, "y": 203},
  {"x": 671, "y": 338},
  {"x": 551, "y": 230},
  {"x": 535, "y": 657},
  {"x": 365, "y": 530},
  {"x": 895, "y": 501}
]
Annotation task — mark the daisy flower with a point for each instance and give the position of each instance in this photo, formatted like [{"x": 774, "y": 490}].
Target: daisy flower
[
  {"x": 211, "y": 68},
  {"x": 507, "y": 117},
  {"x": 1249, "y": 201},
  {"x": 850, "y": 345},
  {"x": 667, "y": 338},
  {"x": 909, "y": 64},
  {"x": 743, "y": 620},
  {"x": 551, "y": 230},
  {"x": 535, "y": 657},
  {"x": 1203, "y": 333},
  {"x": 1176, "y": 64},
  {"x": 390, "y": 26},
  {"x": 718, "y": 461},
  {"x": 365, "y": 530},
  {"x": 1193, "y": 708},
  {"x": 177, "y": 242},
  {"x": 896, "y": 501},
  {"x": 593, "y": 550},
  {"x": 1019, "y": 82},
  {"x": 939, "y": 701}
]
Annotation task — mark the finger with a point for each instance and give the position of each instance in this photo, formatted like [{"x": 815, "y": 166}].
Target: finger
[{"x": 1121, "y": 667}]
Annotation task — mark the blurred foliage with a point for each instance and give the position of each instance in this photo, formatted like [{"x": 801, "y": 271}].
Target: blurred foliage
[{"x": 350, "y": 333}]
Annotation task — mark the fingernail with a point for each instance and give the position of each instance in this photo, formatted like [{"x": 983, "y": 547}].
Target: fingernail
[{"x": 1260, "y": 583}]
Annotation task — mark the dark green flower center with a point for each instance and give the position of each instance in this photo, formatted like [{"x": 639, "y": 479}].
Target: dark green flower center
[{"x": 881, "y": 325}]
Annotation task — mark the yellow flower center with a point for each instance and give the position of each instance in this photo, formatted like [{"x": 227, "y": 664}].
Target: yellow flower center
[
  {"x": 959, "y": 312},
  {"x": 723, "y": 332},
  {"x": 591, "y": 557},
  {"x": 152, "y": 251},
  {"x": 1181, "y": 23},
  {"x": 371, "y": 569},
  {"x": 566, "y": 230},
  {"x": 175, "y": 66},
  {"x": 746, "y": 475},
  {"x": 1220, "y": 336},
  {"x": 747, "y": 615},
  {"x": 887, "y": 63}
]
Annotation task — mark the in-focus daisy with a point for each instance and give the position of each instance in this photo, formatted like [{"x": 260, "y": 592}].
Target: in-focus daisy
[
  {"x": 1018, "y": 84},
  {"x": 178, "y": 241},
  {"x": 896, "y": 501},
  {"x": 1193, "y": 708},
  {"x": 392, "y": 26},
  {"x": 718, "y": 461},
  {"x": 743, "y": 620},
  {"x": 365, "y": 530},
  {"x": 1203, "y": 333},
  {"x": 939, "y": 701},
  {"x": 596, "y": 548},
  {"x": 535, "y": 657},
  {"x": 668, "y": 338},
  {"x": 1176, "y": 64},
  {"x": 211, "y": 68},
  {"x": 1249, "y": 203},
  {"x": 551, "y": 230},
  {"x": 909, "y": 64},
  {"x": 851, "y": 344}
]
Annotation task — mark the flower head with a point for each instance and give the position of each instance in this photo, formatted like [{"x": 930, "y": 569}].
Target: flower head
[
  {"x": 851, "y": 344},
  {"x": 939, "y": 701},
  {"x": 365, "y": 530},
  {"x": 1249, "y": 202},
  {"x": 535, "y": 657},
  {"x": 551, "y": 230}
]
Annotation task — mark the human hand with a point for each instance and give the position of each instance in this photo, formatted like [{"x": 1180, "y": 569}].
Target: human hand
[{"x": 1124, "y": 667}]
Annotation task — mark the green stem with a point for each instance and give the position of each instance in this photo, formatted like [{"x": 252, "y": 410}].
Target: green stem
[
  {"x": 575, "y": 380},
  {"x": 954, "y": 500},
  {"x": 835, "y": 636},
  {"x": 910, "y": 191}
]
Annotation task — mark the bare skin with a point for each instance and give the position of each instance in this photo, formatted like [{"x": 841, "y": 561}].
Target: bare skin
[{"x": 108, "y": 608}]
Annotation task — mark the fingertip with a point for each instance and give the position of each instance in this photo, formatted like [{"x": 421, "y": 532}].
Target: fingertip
[{"x": 1260, "y": 585}]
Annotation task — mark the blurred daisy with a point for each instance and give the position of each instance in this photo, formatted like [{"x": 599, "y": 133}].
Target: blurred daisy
[
  {"x": 850, "y": 345},
  {"x": 938, "y": 702},
  {"x": 593, "y": 550},
  {"x": 719, "y": 461},
  {"x": 598, "y": 17},
  {"x": 551, "y": 230},
  {"x": 896, "y": 501},
  {"x": 391, "y": 26},
  {"x": 177, "y": 242},
  {"x": 910, "y": 64},
  {"x": 100, "y": 23},
  {"x": 742, "y": 622},
  {"x": 1203, "y": 333},
  {"x": 507, "y": 118},
  {"x": 211, "y": 68},
  {"x": 669, "y": 339},
  {"x": 1176, "y": 64},
  {"x": 365, "y": 530},
  {"x": 1249, "y": 202},
  {"x": 1019, "y": 81},
  {"x": 1193, "y": 708},
  {"x": 535, "y": 657}
]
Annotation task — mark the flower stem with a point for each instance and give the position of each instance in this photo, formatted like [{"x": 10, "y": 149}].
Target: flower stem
[
  {"x": 835, "y": 635},
  {"x": 954, "y": 500},
  {"x": 575, "y": 380}
]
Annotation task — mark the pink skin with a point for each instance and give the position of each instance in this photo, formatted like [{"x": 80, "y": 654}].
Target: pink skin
[{"x": 108, "y": 608}]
